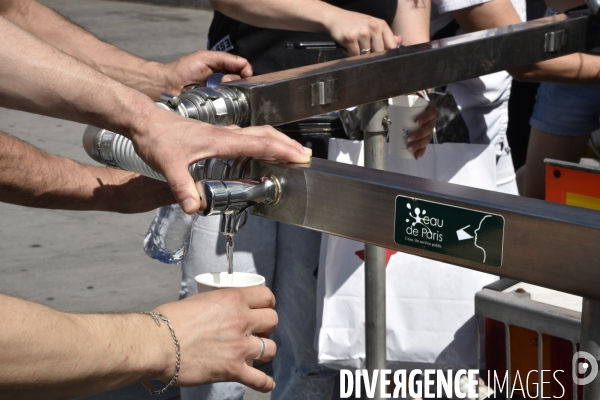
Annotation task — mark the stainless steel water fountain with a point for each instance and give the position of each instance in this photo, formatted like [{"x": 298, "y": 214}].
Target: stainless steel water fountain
[{"x": 546, "y": 244}]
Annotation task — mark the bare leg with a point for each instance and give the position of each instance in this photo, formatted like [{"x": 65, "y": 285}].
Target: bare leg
[
  {"x": 521, "y": 180},
  {"x": 545, "y": 145}
]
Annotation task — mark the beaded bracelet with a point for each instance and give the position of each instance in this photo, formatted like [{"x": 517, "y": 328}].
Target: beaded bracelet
[{"x": 157, "y": 317}]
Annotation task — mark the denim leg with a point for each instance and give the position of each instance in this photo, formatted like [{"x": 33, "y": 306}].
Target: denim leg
[
  {"x": 296, "y": 370},
  {"x": 222, "y": 391},
  {"x": 254, "y": 251}
]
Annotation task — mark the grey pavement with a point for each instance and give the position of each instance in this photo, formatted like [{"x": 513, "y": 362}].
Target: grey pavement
[
  {"x": 202, "y": 4},
  {"x": 93, "y": 261}
]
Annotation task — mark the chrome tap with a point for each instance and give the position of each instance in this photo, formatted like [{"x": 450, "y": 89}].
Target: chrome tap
[{"x": 232, "y": 198}]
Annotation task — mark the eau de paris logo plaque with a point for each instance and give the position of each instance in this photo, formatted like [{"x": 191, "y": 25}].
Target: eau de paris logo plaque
[{"x": 454, "y": 231}]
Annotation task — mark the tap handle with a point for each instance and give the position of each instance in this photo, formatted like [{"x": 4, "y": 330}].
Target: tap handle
[
  {"x": 217, "y": 197},
  {"x": 236, "y": 195}
]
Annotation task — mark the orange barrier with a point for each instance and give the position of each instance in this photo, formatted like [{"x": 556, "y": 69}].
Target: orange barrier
[
  {"x": 573, "y": 184},
  {"x": 566, "y": 183}
]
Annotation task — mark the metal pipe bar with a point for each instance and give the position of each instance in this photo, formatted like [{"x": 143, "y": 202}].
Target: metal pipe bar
[
  {"x": 518, "y": 309},
  {"x": 374, "y": 125},
  {"x": 299, "y": 93},
  {"x": 546, "y": 244}
]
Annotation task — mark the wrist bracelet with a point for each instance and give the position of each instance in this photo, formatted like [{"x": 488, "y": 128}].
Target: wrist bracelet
[{"x": 157, "y": 317}]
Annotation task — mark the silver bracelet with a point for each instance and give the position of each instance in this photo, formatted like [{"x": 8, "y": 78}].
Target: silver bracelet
[{"x": 157, "y": 317}]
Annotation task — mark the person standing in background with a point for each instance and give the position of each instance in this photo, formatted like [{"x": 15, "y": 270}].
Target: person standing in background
[{"x": 564, "y": 115}]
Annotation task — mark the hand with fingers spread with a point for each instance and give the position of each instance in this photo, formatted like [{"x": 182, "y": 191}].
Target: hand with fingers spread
[
  {"x": 360, "y": 33},
  {"x": 170, "y": 143},
  {"x": 421, "y": 137},
  {"x": 216, "y": 332}
]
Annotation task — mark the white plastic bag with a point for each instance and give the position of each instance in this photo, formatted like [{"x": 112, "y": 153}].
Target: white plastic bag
[{"x": 429, "y": 303}]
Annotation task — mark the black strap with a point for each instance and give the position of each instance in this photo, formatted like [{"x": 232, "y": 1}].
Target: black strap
[{"x": 447, "y": 31}]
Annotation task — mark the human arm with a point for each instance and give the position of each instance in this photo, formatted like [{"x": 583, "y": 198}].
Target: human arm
[
  {"x": 412, "y": 23},
  {"x": 151, "y": 78},
  {"x": 33, "y": 178},
  {"x": 560, "y": 6},
  {"x": 48, "y": 354},
  {"x": 354, "y": 31},
  {"x": 37, "y": 77},
  {"x": 577, "y": 68}
]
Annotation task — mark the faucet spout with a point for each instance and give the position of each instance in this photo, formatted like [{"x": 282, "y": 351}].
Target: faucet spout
[{"x": 231, "y": 198}]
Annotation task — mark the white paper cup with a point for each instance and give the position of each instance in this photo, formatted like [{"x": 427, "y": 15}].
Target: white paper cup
[
  {"x": 220, "y": 280},
  {"x": 402, "y": 112}
]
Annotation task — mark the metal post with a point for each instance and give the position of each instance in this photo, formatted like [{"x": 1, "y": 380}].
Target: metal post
[
  {"x": 574, "y": 391},
  {"x": 508, "y": 361},
  {"x": 540, "y": 364},
  {"x": 374, "y": 126},
  {"x": 590, "y": 342}
]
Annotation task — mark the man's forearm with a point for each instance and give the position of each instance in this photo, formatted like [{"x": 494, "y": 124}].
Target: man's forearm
[
  {"x": 54, "y": 29},
  {"x": 30, "y": 177},
  {"x": 37, "y": 77},
  {"x": 47, "y": 354},
  {"x": 303, "y": 15}
]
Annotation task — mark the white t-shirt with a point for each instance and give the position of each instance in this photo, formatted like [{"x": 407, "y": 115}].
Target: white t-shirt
[{"x": 483, "y": 101}]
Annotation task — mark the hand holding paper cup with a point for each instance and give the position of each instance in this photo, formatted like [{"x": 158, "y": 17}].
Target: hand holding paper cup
[
  {"x": 222, "y": 280},
  {"x": 403, "y": 111}
]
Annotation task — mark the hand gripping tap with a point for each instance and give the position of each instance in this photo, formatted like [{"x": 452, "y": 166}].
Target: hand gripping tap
[{"x": 226, "y": 185}]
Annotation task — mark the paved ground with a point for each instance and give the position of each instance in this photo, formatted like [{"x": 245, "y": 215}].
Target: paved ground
[
  {"x": 202, "y": 4},
  {"x": 93, "y": 261}
]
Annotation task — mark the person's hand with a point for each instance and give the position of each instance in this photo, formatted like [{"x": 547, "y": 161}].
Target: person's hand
[
  {"x": 420, "y": 138},
  {"x": 169, "y": 143},
  {"x": 215, "y": 332},
  {"x": 195, "y": 68},
  {"x": 360, "y": 33}
]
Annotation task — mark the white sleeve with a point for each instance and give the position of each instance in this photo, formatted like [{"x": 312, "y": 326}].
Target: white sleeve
[{"x": 445, "y": 6}]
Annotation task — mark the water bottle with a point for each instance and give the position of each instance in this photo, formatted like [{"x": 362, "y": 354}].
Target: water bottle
[{"x": 169, "y": 235}]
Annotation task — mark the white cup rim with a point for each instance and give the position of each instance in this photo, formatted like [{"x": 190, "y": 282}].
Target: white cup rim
[
  {"x": 256, "y": 280},
  {"x": 420, "y": 103}
]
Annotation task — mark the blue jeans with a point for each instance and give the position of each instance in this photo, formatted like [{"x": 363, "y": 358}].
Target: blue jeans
[
  {"x": 566, "y": 110},
  {"x": 288, "y": 258}
]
